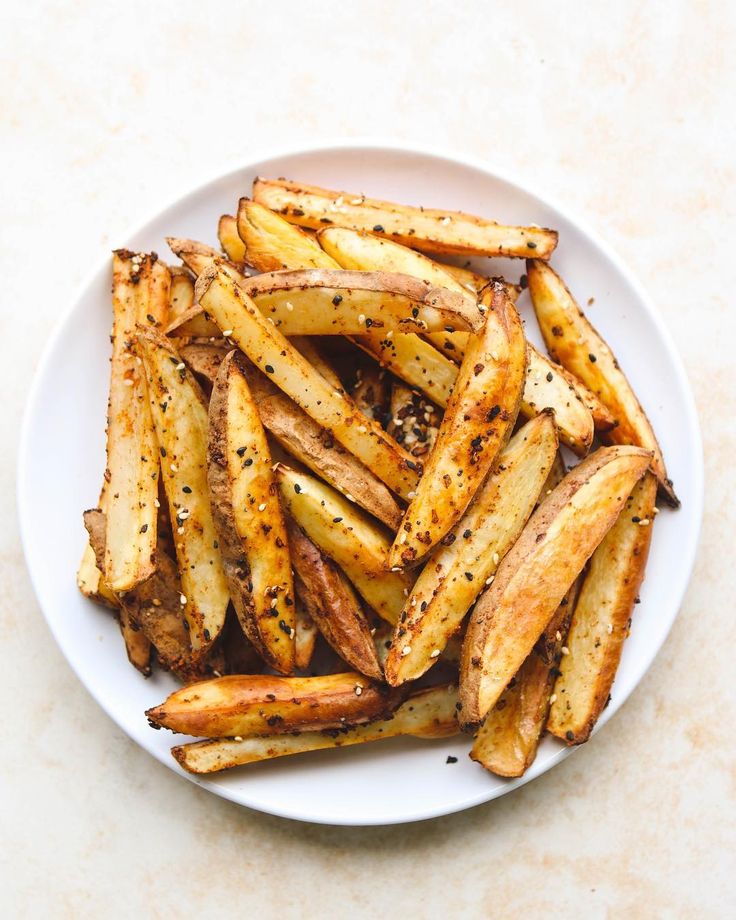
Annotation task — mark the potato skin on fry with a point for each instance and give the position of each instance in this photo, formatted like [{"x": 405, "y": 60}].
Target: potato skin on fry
[
  {"x": 426, "y": 714},
  {"x": 535, "y": 575},
  {"x": 262, "y": 704},
  {"x": 333, "y": 605},
  {"x": 248, "y": 518},
  {"x": 573, "y": 342},
  {"x": 600, "y": 622},
  {"x": 479, "y": 420},
  {"x": 427, "y": 229}
]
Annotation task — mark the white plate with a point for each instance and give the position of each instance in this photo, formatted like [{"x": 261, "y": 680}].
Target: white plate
[{"x": 62, "y": 459}]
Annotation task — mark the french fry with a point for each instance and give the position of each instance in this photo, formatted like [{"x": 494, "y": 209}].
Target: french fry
[
  {"x": 574, "y": 343},
  {"x": 333, "y": 605},
  {"x": 91, "y": 582},
  {"x": 345, "y": 534},
  {"x": 140, "y": 296},
  {"x": 545, "y": 387},
  {"x": 222, "y": 297},
  {"x": 477, "y": 423},
  {"x": 427, "y": 229},
  {"x": 538, "y": 571},
  {"x": 248, "y": 518},
  {"x": 272, "y": 243},
  {"x": 179, "y": 412},
  {"x": 181, "y": 292},
  {"x": 227, "y": 234},
  {"x": 601, "y": 620},
  {"x": 426, "y": 714},
  {"x": 309, "y": 349},
  {"x": 458, "y": 571},
  {"x": 262, "y": 704}
]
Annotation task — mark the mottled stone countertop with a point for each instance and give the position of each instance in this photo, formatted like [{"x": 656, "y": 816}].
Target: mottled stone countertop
[{"x": 623, "y": 112}]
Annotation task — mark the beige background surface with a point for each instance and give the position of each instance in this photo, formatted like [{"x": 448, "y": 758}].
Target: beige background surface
[{"x": 624, "y": 112}]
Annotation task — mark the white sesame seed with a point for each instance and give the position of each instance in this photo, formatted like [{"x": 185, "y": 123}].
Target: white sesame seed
[
  {"x": 174, "y": 468},
  {"x": 128, "y": 381},
  {"x": 289, "y": 306},
  {"x": 182, "y": 515},
  {"x": 262, "y": 506},
  {"x": 348, "y": 496},
  {"x": 238, "y": 738},
  {"x": 489, "y": 581},
  {"x": 361, "y": 318},
  {"x": 496, "y": 558},
  {"x": 435, "y": 653},
  {"x": 494, "y": 355},
  {"x": 180, "y": 530},
  {"x": 644, "y": 522},
  {"x": 558, "y": 636},
  {"x": 609, "y": 628},
  {"x": 292, "y": 633},
  {"x": 227, "y": 332},
  {"x": 406, "y": 592},
  {"x": 182, "y": 599},
  {"x": 565, "y": 650},
  {"x": 403, "y": 537},
  {"x": 156, "y": 503},
  {"x": 411, "y": 495},
  {"x": 362, "y": 429},
  {"x": 445, "y": 220},
  {"x": 180, "y": 366},
  {"x": 406, "y": 650},
  {"x": 553, "y": 698},
  {"x": 390, "y": 334},
  {"x": 339, "y": 200},
  {"x": 655, "y": 510},
  {"x": 274, "y": 602},
  {"x": 358, "y": 689},
  {"x": 356, "y": 201},
  {"x": 156, "y": 601},
  {"x": 395, "y": 568},
  {"x": 413, "y": 602}
]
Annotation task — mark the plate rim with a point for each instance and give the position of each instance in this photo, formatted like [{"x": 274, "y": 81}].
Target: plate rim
[{"x": 384, "y": 145}]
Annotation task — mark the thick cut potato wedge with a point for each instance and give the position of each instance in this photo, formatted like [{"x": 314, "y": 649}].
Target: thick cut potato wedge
[
  {"x": 339, "y": 302},
  {"x": 413, "y": 360},
  {"x": 272, "y": 243},
  {"x": 262, "y": 704},
  {"x": 333, "y": 605},
  {"x": 140, "y": 296},
  {"x": 459, "y": 569},
  {"x": 235, "y": 313},
  {"x": 227, "y": 234},
  {"x": 573, "y": 342},
  {"x": 479, "y": 420},
  {"x": 91, "y": 582},
  {"x": 414, "y": 420},
  {"x": 535, "y": 575},
  {"x": 545, "y": 387},
  {"x": 427, "y": 229},
  {"x": 602, "y": 617},
  {"x": 507, "y": 742},
  {"x": 248, "y": 519},
  {"x": 426, "y": 714},
  {"x": 179, "y": 412},
  {"x": 355, "y": 542}
]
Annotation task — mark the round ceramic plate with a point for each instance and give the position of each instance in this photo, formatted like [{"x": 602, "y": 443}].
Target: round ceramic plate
[{"x": 62, "y": 459}]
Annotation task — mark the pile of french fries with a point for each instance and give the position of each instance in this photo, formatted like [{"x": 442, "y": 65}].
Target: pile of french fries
[{"x": 335, "y": 503}]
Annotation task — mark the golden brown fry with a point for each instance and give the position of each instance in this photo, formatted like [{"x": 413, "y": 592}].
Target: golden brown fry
[
  {"x": 181, "y": 293},
  {"x": 479, "y": 420},
  {"x": 222, "y": 297},
  {"x": 507, "y": 742},
  {"x": 574, "y": 343},
  {"x": 308, "y": 347},
  {"x": 263, "y": 704},
  {"x": 272, "y": 243},
  {"x": 333, "y": 605},
  {"x": 179, "y": 412},
  {"x": 140, "y": 296},
  {"x": 601, "y": 619},
  {"x": 538, "y": 571},
  {"x": 348, "y": 536},
  {"x": 227, "y": 234},
  {"x": 458, "y": 571},
  {"x": 248, "y": 518},
  {"x": 426, "y": 714},
  {"x": 427, "y": 229}
]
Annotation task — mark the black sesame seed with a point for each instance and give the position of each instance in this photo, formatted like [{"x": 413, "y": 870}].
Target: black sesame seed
[{"x": 269, "y": 369}]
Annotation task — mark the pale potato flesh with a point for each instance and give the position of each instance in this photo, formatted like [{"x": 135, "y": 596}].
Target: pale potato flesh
[
  {"x": 272, "y": 243},
  {"x": 227, "y": 234}
]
